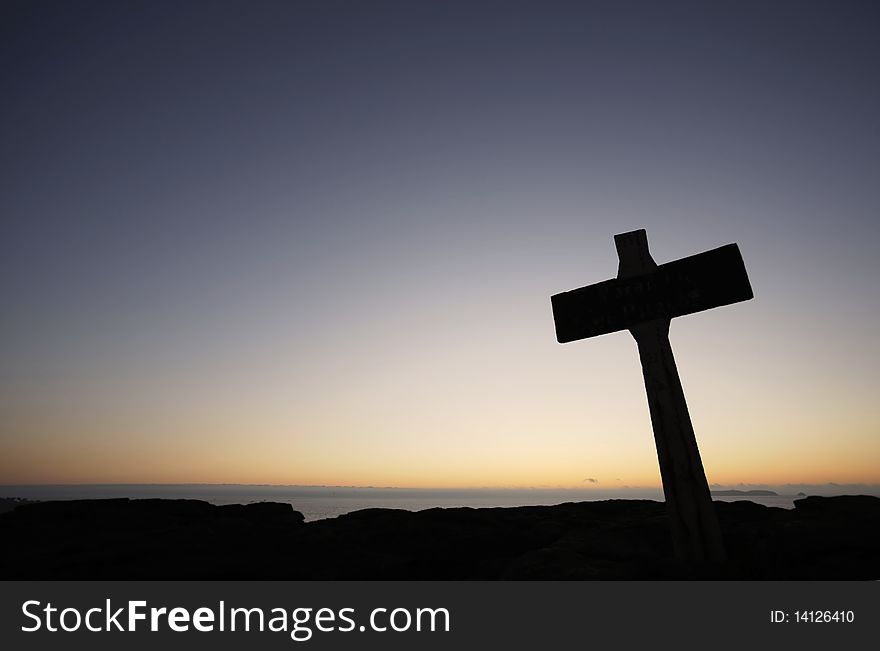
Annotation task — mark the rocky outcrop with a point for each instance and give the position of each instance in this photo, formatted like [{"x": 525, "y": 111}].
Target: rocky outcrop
[{"x": 822, "y": 538}]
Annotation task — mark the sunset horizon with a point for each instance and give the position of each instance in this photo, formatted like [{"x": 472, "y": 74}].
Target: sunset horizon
[
  {"x": 302, "y": 245},
  {"x": 439, "y": 324}
]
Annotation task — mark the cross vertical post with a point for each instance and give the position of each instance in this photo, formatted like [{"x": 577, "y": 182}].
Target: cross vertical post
[{"x": 696, "y": 535}]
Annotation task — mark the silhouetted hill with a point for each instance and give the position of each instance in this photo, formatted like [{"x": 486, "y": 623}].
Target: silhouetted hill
[
  {"x": 9, "y": 503},
  {"x": 822, "y": 538},
  {"x": 739, "y": 493}
]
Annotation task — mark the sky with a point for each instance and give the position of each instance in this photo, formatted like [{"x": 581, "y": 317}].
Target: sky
[{"x": 314, "y": 242}]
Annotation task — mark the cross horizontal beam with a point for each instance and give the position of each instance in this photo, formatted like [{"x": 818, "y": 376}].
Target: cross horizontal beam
[{"x": 693, "y": 284}]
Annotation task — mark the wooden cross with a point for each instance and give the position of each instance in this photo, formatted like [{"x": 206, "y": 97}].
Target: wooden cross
[{"x": 642, "y": 299}]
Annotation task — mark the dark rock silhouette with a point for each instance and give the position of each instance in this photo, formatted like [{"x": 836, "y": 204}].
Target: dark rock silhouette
[
  {"x": 9, "y": 503},
  {"x": 822, "y": 538}
]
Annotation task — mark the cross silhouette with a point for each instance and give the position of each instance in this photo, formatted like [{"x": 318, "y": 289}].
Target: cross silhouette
[{"x": 643, "y": 299}]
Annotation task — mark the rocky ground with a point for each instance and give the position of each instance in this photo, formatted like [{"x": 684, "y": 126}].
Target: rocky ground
[{"x": 822, "y": 538}]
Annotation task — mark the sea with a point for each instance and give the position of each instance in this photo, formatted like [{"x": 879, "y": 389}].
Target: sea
[{"x": 319, "y": 502}]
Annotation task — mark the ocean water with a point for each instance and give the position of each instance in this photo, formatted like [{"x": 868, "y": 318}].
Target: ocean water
[{"x": 318, "y": 502}]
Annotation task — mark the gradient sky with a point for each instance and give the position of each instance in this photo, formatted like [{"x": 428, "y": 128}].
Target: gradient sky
[{"x": 315, "y": 242}]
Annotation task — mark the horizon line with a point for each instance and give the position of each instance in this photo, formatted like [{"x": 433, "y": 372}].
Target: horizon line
[{"x": 586, "y": 487}]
